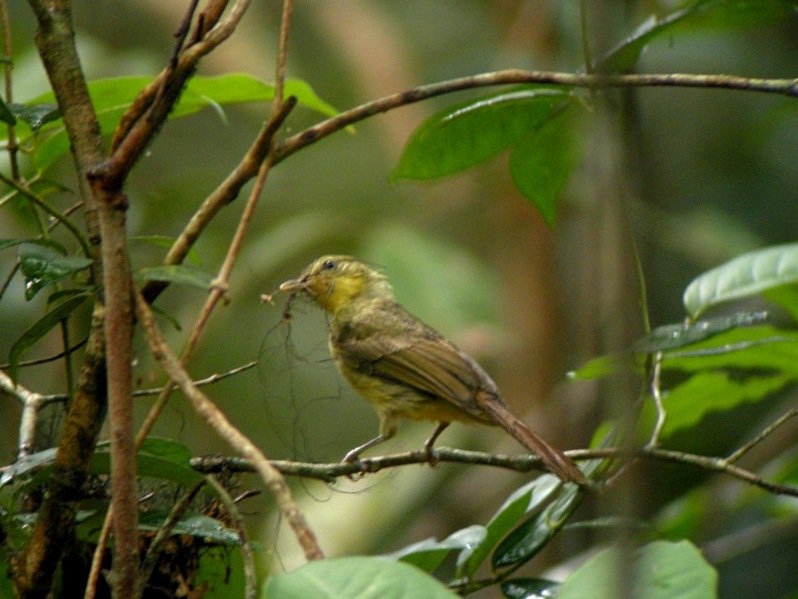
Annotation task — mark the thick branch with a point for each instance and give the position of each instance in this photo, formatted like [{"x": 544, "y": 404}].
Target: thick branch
[{"x": 34, "y": 568}]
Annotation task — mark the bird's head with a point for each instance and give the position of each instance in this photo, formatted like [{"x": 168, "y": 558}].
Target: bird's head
[{"x": 334, "y": 281}]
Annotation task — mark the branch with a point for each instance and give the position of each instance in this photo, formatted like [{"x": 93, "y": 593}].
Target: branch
[
  {"x": 33, "y": 569},
  {"x": 313, "y": 134},
  {"x": 31, "y": 404},
  {"x": 521, "y": 463},
  {"x": 225, "y": 429}
]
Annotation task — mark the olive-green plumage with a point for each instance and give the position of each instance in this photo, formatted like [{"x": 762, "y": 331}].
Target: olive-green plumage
[{"x": 405, "y": 368}]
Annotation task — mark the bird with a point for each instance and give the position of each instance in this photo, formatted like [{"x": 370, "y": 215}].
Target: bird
[{"x": 404, "y": 367}]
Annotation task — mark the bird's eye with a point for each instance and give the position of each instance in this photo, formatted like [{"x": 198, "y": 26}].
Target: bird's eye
[{"x": 328, "y": 264}]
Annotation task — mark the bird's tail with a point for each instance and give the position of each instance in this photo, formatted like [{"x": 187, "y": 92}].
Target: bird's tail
[{"x": 553, "y": 459}]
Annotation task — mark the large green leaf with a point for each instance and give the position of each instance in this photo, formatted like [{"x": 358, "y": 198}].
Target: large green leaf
[
  {"x": 751, "y": 348},
  {"x": 112, "y": 97},
  {"x": 6, "y": 116},
  {"x": 700, "y": 14},
  {"x": 674, "y": 336},
  {"x": 706, "y": 392},
  {"x": 36, "y": 115},
  {"x": 750, "y": 274},
  {"x": 659, "y": 570},
  {"x": 39, "y": 329},
  {"x": 530, "y": 588},
  {"x": 350, "y": 577},
  {"x": 196, "y": 525},
  {"x": 427, "y": 555},
  {"x": 527, "y": 539},
  {"x": 161, "y": 459},
  {"x": 529, "y": 498},
  {"x": 179, "y": 274},
  {"x": 470, "y": 132},
  {"x": 42, "y": 266},
  {"x": 541, "y": 162}
]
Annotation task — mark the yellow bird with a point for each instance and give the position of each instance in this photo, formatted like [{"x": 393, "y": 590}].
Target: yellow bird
[{"x": 405, "y": 368}]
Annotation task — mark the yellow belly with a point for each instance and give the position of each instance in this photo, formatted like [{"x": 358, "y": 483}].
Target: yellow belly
[{"x": 396, "y": 400}]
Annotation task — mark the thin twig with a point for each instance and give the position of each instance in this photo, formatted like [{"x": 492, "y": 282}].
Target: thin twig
[
  {"x": 33, "y": 197},
  {"x": 520, "y": 463},
  {"x": 761, "y": 436},
  {"x": 656, "y": 394},
  {"x": 313, "y": 134},
  {"x": 209, "y": 380},
  {"x": 230, "y": 506}
]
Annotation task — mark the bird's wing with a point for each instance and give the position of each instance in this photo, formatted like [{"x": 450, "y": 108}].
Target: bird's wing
[{"x": 427, "y": 363}]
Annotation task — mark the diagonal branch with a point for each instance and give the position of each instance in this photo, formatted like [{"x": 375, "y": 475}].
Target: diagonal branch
[
  {"x": 313, "y": 134},
  {"x": 225, "y": 429}
]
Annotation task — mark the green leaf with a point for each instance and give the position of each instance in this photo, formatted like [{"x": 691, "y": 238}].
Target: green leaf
[
  {"x": 705, "y": 392},
  {"x": 220, "y": 573},
  {"x": 673, "y": 336},
  {"x": 785, "y": 296},
  {"x": 6, "y": 116},
  {"x": 542, "y": 161},
  {"x": 165, "y": 241},
  {"x": 196, "y": 525},
  {"x": 361, "y": 577},
  {"x": 175, "y": 273},
  {"x": 48, "y": 243},
  {"x": 167, "y": 449},
  {"x": 39, "y": 329},
  {"x": 471, "y": 132},
  {"x": 702, "y": 14},
  {"x": 26, "y": 465},
  {"x": 427, "y": 555},
  {"x": 751, "y": 348},
  {"x": 36, "y": 115},
  {"x": 43, "y": 266},
  {"x": 598, "y": 368},
  {"x": 113, "y": 96},
  {"x": 161, "y": 459},
  {"x": 527, "y": 499},
  {"x": 530, "y": 588},
  {"x": 749, "y": 274},
  {"x": 526, "y": 540},
  {"x": 659, "y": 570},
  {"x": 236, "y": 88}
]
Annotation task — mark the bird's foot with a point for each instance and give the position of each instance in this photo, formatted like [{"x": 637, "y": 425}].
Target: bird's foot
[
  {"x": 353, "y": 458},
  {"x": 432, "y": 456}
]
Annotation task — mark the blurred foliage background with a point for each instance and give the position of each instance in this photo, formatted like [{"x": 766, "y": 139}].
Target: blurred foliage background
[{"x": 688, "y": 177}]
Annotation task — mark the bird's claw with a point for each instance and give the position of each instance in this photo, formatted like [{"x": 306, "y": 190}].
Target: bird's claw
[{"x": 432, "y": 457}]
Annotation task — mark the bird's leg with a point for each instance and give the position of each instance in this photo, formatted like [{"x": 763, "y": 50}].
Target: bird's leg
[
  {"x": 353, "y": 456},
  {"x": 388, "y": 428},
  {"x": 431, "y": 457}
]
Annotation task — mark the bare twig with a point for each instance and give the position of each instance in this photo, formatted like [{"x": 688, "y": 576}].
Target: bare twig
[
  {"x": 313, "y": 134},
  {"x": 208, "y": 380},
  {"x": 656, "y": 395},
  {"x": 520, "y": 463},
  {"x": 761, "y": 436}
]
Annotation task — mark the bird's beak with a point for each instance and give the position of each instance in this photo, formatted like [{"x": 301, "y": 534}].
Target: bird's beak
[{"x": 293, "y": 285}]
